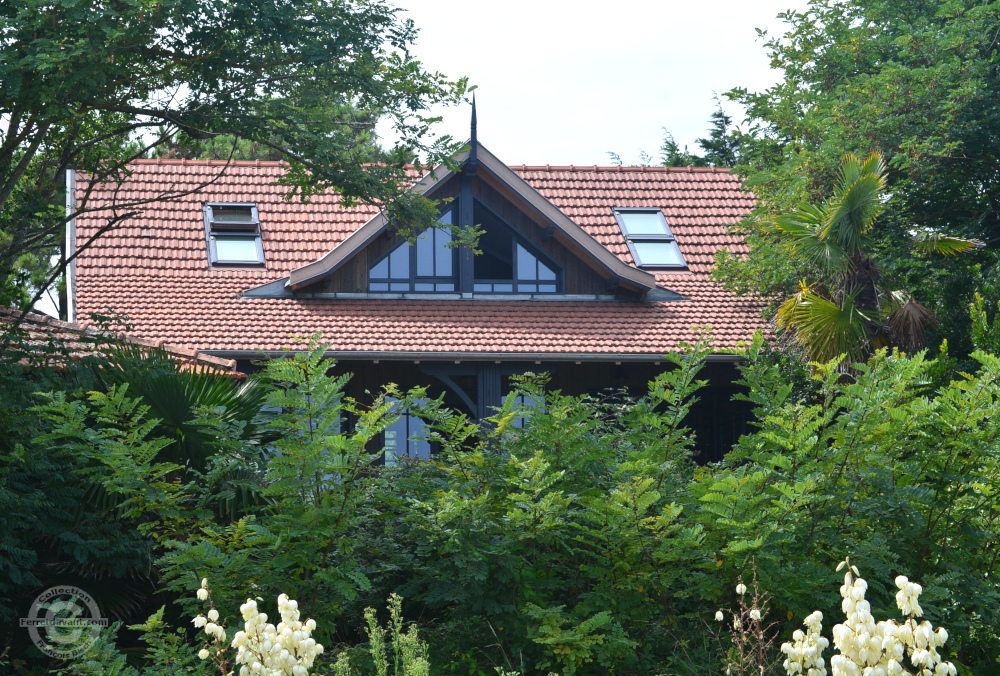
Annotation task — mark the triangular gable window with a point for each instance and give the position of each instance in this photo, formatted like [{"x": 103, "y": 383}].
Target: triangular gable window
[
  {"x": 428, "y": 266},
  {"x": 507, "y": 264}
]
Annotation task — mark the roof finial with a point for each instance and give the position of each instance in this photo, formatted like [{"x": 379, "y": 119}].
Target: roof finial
[{"x": 473, "y": 155}]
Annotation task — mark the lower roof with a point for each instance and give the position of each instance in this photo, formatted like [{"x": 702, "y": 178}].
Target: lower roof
[
  {"x": 57, "y": 340},
  {"x": 230, "y": 324}
]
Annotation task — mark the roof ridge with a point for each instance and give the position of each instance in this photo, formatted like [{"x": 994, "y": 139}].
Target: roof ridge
[
  {"x": 516, "y": 167},
  {"x": 211, "y": 163},
  {"x": 620, "y": 168}
]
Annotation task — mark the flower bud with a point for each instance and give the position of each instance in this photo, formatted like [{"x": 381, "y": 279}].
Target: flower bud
[
  {"x": 204, "y": 583},
  {"x": 213, "y": 614},
  {"x": 202, "y": 594},
  {"x": 203, "y": 654},
  {"x": 741, "y": 589}
]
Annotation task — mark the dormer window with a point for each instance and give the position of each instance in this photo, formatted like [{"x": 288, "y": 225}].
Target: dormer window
[
  {"x": 426, "y": 266},
  {"x": 506, "y": 264},
  {"x": 233, "y": 232},
  {"x": 649, "y": 238}
]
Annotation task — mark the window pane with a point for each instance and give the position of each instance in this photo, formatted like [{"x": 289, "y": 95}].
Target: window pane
[
  {"x": 482, "y": 287},
  {"x": 497, "y": 258},
  {"x": 399, "y": 262},
  {"x": 526, "y": 264},
  {"x": 442, "y": 254},
  {"x": 378, "y": 286},
  {"x": 658, "y": 253},
  {"x": 546, "y": 288},
  {"x": 380, "y": 270},
  {"x": 503, "y": 288},
  {"x": 405, "y": 437},
  {"x": 404, "y": 286},
  {"x": 423, "y": 287},
  {"x": 643, "y": 223},
  {"x": 445, "y": 218},
  {"x": 425, "y": 253},
  {"x": 527, "y": 288},
  {"x": 445, "y": 287},
  {"x": 232, "y": 214},
  {"x": 241, "y": 249},
  {"x": 545, "y": 273}
]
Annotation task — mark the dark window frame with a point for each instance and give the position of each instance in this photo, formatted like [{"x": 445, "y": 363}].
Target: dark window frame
[
  {"x": 411, "y": 438},
  {"x": 630, "y": 239},
  {"x": 516, "y": 240},
  {"x": 539, "y": 255},
  {"x": 215, "y": 230},
  {"x": 413, "y": 279}
]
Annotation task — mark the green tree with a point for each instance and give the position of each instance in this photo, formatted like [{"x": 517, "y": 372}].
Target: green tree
[
  {"x": 849, "y": 308},
  {"x": 720, "y": 149},
  {"x": 916, "y": 81},
  {"x": 91, "y": 86}
]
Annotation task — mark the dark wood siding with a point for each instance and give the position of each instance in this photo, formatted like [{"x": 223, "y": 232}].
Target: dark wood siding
[{"x": 716, "y": 419}]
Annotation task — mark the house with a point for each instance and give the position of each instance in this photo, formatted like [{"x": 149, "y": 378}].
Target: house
[{"x": 588, "y": 273}]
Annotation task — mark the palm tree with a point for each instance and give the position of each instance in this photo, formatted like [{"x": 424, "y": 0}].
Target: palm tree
[{"x": 852, "y": 310}]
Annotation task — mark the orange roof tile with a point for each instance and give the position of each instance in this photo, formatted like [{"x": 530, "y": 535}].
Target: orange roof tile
[
  {"x": 38, "y": 332},
  {"x": 155, "y": 268}
]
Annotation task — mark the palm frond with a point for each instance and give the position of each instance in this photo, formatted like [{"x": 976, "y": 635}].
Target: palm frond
[
  {"x": 176, "y": 392},
  {"x": 853, "y": 211},
  {"x": 936, "y": 243},
  {"x": 850, "y": 169},
  {"x": 803, "y": 229},
  {"x": 908, "y": 321},
  {"x": 824, "y": 329},
  {"x": 873, "y": 165}
]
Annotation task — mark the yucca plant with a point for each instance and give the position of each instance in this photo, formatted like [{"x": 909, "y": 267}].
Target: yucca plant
[{"x": 850, "y": 308}]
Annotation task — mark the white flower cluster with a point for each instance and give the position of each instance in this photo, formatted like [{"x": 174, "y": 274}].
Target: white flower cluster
[
  {"x": 214, "y": 630},
  {"x": 805, "y": 655},
  {"x": 264, "y": 649},
  {"x": 870, "y": 648}
]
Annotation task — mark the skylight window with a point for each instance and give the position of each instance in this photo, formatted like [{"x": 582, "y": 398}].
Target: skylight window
[
  {"x": 649, "y": 238},
  {"x": 233, "y": 232}
]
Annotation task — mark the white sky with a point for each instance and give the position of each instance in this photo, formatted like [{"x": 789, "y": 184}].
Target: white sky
[{"x": 564, "y": 82}]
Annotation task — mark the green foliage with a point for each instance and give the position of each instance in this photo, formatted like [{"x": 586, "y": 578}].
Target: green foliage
[
  {"x": 178, "y": 393},
  {"x": 902, "y": 477},
  {"x": 914, "y": 81},
  {"x": 985, "y": 334},
  {"x": 584, "y": 541},
  {"x": 91, "y": 86},
  {"x": 720, "y": 149},
  {"x": 848, "y": 307}
]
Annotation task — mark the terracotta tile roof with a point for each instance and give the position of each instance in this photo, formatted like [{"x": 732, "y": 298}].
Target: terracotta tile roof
[
  {"x": 46, "y": 335},
  {"x": 155, "y": 269},
  {"x": 700, "y": 204}
]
